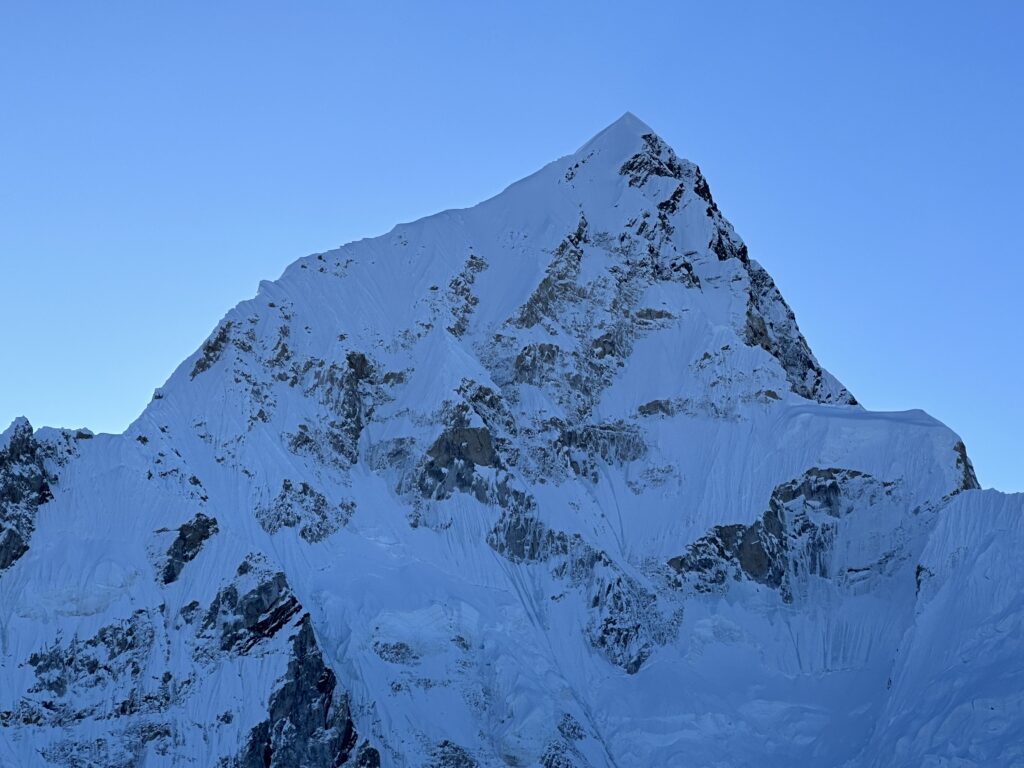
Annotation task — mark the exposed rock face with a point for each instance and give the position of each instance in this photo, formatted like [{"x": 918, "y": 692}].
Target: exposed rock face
[
  {"x": 535, "y": 363},
  {"x": 616, "y": 443},
  {"x": 213, "y": 349},
  {"x": 450, "y": 755},
  {"x": 553, "y": 481},
  {"x": 970, "y": 480},
  {"x": 24, "y": 485},
  {"x": 461, "y": 293},
  {"x": 466, "y": 444},
  {"x": 793, "y": 539},
  {"x": 308, "y": 721},
  {"x": 111, "y": 661},
  {"x": 627, "y": 619},
  {"x": 254, "y": 608},
  {"x": 656, "y": 159},
  {"x": 559, "y": 288},
  {"x": 348, "y": 393},
  {"x": 772, "y": 326},
  {"x": 187, "y": 544},
  {"x": 451, "y": 462},
  {"x": 299, "y": 505}
]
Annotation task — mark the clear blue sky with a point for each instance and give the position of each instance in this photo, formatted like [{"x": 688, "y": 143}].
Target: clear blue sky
[{"x": 158, "y": 160}]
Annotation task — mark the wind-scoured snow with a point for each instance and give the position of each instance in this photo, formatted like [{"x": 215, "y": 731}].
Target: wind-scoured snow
[{"x": 555, "y": 480}]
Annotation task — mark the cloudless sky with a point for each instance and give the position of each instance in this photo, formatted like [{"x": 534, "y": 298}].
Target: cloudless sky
[{"x": 158, "y": 159}]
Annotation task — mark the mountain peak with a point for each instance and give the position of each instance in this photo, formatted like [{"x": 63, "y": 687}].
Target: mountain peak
[
  {"x": 628, "y": 123},
  {"x": 624, "y": 134},
  {"x": 500, "y": 487}
]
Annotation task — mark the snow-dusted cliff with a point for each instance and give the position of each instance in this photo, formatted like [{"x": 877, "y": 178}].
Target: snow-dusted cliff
[{"x": 554, "y": 480}]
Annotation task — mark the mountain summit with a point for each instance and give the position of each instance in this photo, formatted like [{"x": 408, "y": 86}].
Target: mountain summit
[{"x": 551, "y": 481}]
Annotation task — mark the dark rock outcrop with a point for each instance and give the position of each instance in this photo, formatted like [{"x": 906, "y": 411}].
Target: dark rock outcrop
[
  {"x": 626, "y": 621},
  {"x": 614, "y": 443},
  {"x": 535, "y": 363},
  {"x": 469, "y": 444},
  {"x": 772, "y": 326},
  {"x": 559, "y": 287},
  {"x": 238, "y": 619},
  {"x": 190, "y": 539},
  {"x": 349, "y": 392},
  {"x": 460, "y": 292},
  {"x": 24, "y": 486},
  {"x": 448, "y": 754},
  {"x": 308, "y": 719},
  {"x": 963, "y": 463},
  {"x": 785, "y": 544},
  {"x": 299, "y": 505},
  {"x": 213, "y": 349},
  {"x": 110, "y": 666},
  {"x": 656, "y": 159},
  {"x": 655, "y": 407},
  {"x": 451, "y": 461}
]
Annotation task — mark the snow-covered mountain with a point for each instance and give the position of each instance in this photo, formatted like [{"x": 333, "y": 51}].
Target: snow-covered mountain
[{"x": 552, "y": 481}]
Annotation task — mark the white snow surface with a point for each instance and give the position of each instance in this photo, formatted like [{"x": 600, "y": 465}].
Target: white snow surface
[{"x": 480, "y": 449}]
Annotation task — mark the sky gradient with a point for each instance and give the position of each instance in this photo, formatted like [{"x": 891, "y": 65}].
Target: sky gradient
[{"x": 156, "y": 162}]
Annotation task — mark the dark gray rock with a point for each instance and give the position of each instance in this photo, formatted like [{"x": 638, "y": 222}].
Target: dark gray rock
[
  {"x": 570, "y": 729},
  {"x": 655, "y": 407},
  {"x": 448, "y": 754},
  {"x": 725, "y": 244},
  {"x": 472, "y": 444},
  {"x": 240, "y": 621},
  {"x": 963, "y": 463},
  {"x": 782, "y": 546},
  {"x": 396, "y": 653},
  {"x": 490, "y": 407},
  {"x": 349, "y": 392},
  {"x": 186, "y": 545},
  {"x": 451, "y": 461},
  {"x": 213, "y": 349},
  {"x": 783, "y": 340},
  {"x": 626, "y": 622},
  {"x": 309, "y": 724},
  {"x": 559, "y": 287},
  {"x": 604, "y": 345},
  {"x": 460, "y": 292},
  {"x": 650, "y": 314},
  {"x": 113, "y": 661},
  {"x": 523, "y": 538},
  {"x": 24, "y": 486},
  {"x": 614, "y": 443},
  {"x": 626, "y": 625},
  {"x": 302, "y": 506},
  {"x": 366, "y": 756},
  {"x": 656, "y": 159},
  {"x": 12, "y": 546},
  {"x": 535, "y": 363}
]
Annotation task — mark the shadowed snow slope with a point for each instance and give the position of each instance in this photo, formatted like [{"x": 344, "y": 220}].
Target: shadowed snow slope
[{"x": 554, "y": 480}]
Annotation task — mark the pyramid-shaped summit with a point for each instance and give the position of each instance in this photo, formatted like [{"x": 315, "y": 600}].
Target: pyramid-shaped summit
[{"x": 554, "y": 480}]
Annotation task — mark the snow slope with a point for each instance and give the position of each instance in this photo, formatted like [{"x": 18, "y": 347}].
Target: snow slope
[{"x": 554, "y": 480}]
